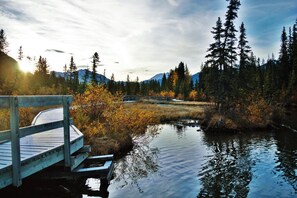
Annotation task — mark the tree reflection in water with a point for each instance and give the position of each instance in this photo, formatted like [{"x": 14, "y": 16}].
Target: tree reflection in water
[
  {"x": 286, "y": 153},
  {"x": 139, "y": 163},
  {"x": 226, "y": 172}
]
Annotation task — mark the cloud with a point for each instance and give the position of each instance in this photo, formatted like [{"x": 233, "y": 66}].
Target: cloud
[
  {"x": 55, "y": 50},
  {"x": 130, "y": 36}
]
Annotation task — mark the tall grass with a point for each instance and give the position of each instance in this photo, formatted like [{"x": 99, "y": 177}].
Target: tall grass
[{"x": 26, "y": 116}]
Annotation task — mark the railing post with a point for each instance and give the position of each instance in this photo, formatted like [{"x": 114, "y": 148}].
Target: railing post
[
  {"x": 66, "y": 122},
  {"x": 15, "y": 141}
]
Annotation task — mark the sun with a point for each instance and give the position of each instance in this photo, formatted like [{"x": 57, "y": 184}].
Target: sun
[{"x": 26, "y": 65}]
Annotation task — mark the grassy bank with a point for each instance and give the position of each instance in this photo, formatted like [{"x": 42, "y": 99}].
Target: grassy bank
[
  {"x": 109, "y": 125},
  {"x": 257, "y": 115},
  {"x": 171, "y": 111}
]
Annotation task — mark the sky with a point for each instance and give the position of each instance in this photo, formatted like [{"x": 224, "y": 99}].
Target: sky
[{"x": 134, "y": 37}]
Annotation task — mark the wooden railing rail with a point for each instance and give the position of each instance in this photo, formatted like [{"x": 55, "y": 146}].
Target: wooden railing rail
[{"x": 15, "y": 132}]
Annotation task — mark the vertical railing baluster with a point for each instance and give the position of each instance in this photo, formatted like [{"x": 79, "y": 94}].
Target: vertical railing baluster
[
  {"x": 66, "y": 131},
  {"x": 15, "y": 141}
]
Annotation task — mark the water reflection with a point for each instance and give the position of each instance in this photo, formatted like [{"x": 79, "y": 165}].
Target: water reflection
[
  {"x": 286, "y": 153},
  {"x": 139, "y": 163},
  {"x": 227, "y": 171}
]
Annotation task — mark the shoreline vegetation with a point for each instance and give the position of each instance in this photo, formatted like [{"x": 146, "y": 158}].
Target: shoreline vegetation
[{"x": 109, "y": 124}]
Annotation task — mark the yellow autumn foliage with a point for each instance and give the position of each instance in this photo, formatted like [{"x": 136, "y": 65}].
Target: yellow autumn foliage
[
  {"x": 169, "y": 94},
  {"x": 102, "y": 116}
]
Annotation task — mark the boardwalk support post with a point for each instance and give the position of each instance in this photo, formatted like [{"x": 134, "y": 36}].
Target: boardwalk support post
[
  {"x": 15, "y": 141},
  {"x": 66, "y": 123}
]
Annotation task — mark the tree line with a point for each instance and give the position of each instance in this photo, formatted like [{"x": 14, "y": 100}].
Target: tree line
[
  {"x": 176, "y": 84},
  {"x": 233, "y": 75}
]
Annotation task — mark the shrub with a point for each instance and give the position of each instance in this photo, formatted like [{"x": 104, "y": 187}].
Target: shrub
[{"x": 102, "y": 117}]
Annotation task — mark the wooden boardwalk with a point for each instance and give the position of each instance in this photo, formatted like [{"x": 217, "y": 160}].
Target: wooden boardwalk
[{"x": 28, "y": 150}]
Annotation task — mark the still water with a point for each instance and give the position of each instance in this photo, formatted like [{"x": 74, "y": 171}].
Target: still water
[{"x": 186, "y": 162}]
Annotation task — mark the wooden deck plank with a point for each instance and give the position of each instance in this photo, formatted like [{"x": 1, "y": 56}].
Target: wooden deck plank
[{"x": 39, "y": 150}]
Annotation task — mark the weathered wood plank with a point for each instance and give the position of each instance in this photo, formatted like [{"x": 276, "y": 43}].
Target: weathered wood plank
[
  {"x": 105, "y": 167},
  {"x": 4, "y": 101},
  {"x": 67, "y": 158},
  {"x": 39, "y": 101},
  {"x": 40, "y": 128},
  {"x": 29, "y": 130},
  {"x": 77, "y": 160},
  {"x": 15, "y": 141},
  {"x": 5, "y": 135},
  {"x": 100, "y": 158}
]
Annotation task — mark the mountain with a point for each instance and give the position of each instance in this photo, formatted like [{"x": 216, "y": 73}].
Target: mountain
[
  {"x": 195, "y": 77},
  {"x": 158, "y": 77},
  {"x": 81, "y": 76}
]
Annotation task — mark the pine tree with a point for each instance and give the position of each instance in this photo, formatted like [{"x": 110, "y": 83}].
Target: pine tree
[
  {"x": 41, "y": 73},
  {"x": 215, "y": 50},
  {"x": 164, "y": 83},
  {"x": 215, "y": 62},
  {"x": 228, "y": 76},
  {"x": 3, "y": 42},
  {"x": 86, "y": 77},
  {"x": 42, "y": 66},
  {"x": 74, "y": 82},
  {"x": 284, "y": 60},
  {"x": 111, "y": 84},
  {"x": 222, "y": 75},
  {"x": 20, "y": 53},
  {"x": 95, "y": 64},
  {"x": 229, "y": 49},
  {"x": 245, "y": 68},
  {"x": 137, "y": 86},
  {"x": 293, "y": 59},
  {"x": 128, "y": 85}
]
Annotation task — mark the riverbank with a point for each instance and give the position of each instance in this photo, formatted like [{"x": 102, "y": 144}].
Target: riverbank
[
  {"x": 166, "y": 111},
  {"x": 256, "y": 116},
  {"x": 144, "y": 117}
]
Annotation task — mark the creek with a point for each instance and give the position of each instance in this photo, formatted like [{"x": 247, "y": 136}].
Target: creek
[{"x": 187, "y": 162}]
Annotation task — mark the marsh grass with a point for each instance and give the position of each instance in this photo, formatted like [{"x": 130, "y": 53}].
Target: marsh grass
[
  {"x": 173, "y": 111},
  {"x": 26, "y": 116}
]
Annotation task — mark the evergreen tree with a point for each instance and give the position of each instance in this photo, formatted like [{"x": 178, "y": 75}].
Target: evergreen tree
[
  {"x": 128, "y": 86},
  {"x": 245, "y": 67},
  {"x": 228, "y": 82},
  {"x": 293, "y": 77},
  {"x": 42, "y": 67},
  {"x": 164, "y": 83},
  {"x": 95, "y": 64},
  {"x": 284, "y": 61},
  {"x": 229, "y": 49},
  {"x": 41, "y": 73},
  {"x": 73, "y": 74},
  {"x": 222, "y": 84},
  {"x": 215, "y": 50},
  {"x": 215, "y": 62},
  {"x": 111, "y": 84},
  {"x": 86, "y": 77},
  {"x": 137, "y": 86},
  {"x": 20, "y": 53},
  {"x": 3, "y": 42}
]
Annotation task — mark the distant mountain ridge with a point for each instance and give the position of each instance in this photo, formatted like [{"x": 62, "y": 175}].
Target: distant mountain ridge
[
  {"x": 81, "y": 75},
  {"x": 158, "y": 77},
  {"x": 101, "y": 78}
]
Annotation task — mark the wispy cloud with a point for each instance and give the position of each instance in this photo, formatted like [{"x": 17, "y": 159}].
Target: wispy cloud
[
  {"x": 130, "y": 36},
  {"x": 55, "y": 50}
]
